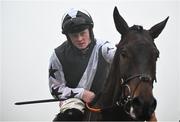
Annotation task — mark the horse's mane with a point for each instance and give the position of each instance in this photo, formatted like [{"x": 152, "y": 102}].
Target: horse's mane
[{"x": 111, "y": 86}]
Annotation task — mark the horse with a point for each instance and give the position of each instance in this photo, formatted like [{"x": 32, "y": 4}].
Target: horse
[{"x": 128, "y": 90}]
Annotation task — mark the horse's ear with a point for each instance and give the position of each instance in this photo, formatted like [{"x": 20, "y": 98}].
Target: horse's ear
[
  {"x": 157, "y": 29},
  {"x": 121, "y": 25}
]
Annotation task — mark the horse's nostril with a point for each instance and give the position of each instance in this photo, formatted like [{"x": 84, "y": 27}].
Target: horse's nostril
[
  {"x": 143, "y": 108},
  {"x": 152, "y": 106},
  {"x": 137, "y": 101}
]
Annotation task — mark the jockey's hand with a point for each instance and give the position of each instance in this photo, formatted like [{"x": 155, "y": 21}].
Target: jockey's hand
[{"x": 88, "y": 96}]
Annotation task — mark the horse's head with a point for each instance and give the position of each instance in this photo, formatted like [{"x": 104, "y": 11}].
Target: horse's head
[
  {"x": 137, "y": 55},
  {"x": 134, "y": 66}
]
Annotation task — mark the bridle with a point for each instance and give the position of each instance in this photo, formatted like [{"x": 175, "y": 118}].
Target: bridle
[{"x": 125, "y": 101}]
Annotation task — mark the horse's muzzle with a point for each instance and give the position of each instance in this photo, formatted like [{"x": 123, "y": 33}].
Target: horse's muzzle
[{"x": 142, "y": 110}]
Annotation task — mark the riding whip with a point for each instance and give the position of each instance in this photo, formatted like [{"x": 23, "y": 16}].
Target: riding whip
[{"x": 38, "y": 101}]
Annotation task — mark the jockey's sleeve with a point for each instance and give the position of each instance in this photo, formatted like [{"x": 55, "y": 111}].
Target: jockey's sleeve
[
  {"x": 108, "y": 51},
  {"x": 57, "y": 82}
]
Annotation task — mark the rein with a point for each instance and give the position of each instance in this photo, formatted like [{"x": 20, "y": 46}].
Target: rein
[{"x": 96, "y": 110}]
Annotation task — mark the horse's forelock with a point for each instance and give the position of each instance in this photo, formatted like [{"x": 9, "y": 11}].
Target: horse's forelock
[{"x": 138, "y": 28}]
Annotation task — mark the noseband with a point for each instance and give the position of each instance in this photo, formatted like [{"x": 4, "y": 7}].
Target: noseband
[{"x": 124, "y": 101}]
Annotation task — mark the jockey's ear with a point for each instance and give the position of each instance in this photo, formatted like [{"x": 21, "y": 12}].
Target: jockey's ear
[{"x": 157, "y": 29}]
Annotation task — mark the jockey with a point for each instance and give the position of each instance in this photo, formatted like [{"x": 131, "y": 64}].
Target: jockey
[{"x": 78, "y": 67}]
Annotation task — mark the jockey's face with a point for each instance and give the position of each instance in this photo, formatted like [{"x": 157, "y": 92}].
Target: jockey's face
[{"x": 81, "y": 39}]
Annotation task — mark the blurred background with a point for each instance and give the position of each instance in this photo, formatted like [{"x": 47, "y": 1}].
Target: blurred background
[{"x": 31, "y": 29}]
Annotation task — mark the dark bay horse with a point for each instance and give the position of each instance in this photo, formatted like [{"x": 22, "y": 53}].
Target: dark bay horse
[{"x": 128, "y": 91}]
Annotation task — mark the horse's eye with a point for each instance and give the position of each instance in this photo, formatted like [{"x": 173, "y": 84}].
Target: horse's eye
[{"x": 123, "y": 54}]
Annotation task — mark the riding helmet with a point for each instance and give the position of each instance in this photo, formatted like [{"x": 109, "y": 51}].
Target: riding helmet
[{"x": 76, "y": 20}]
